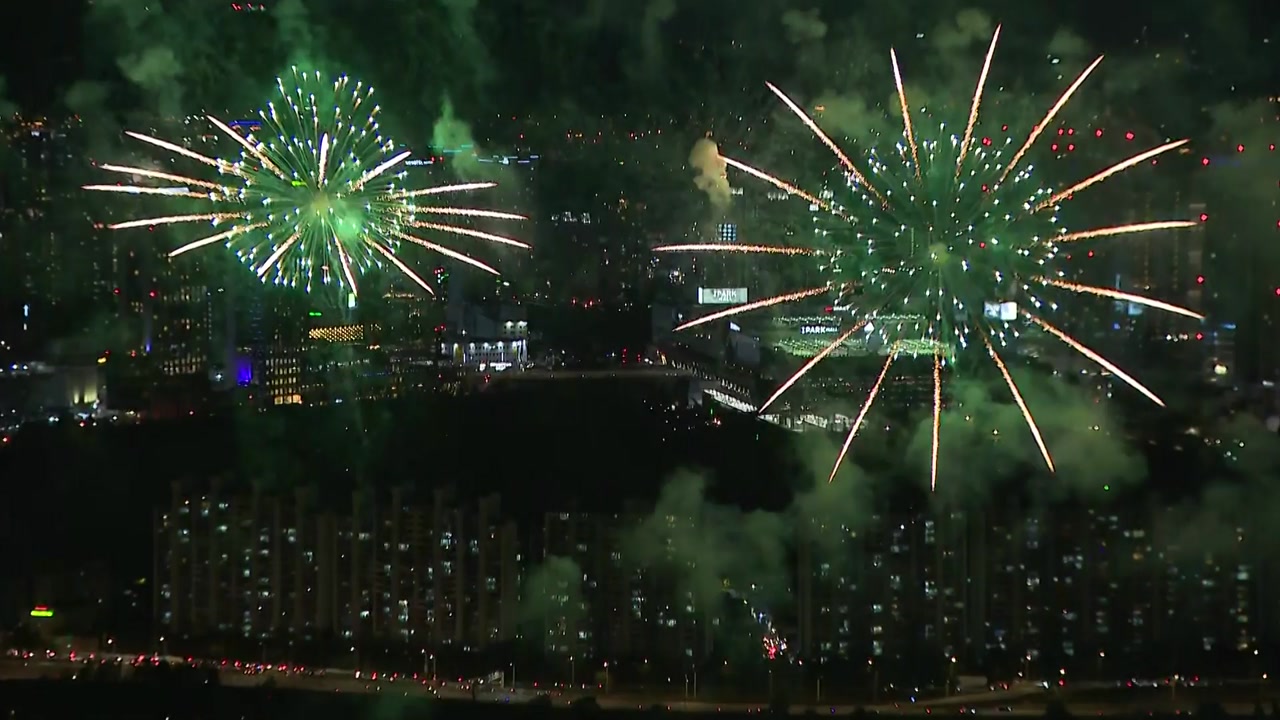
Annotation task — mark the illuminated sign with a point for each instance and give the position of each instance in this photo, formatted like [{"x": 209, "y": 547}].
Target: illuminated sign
[
  {"x": 818, "y": 329},
  {"x": 722, "y": 296},
  {"x": 1001, "y": 311},
  {"x": 41, "y": 611}
]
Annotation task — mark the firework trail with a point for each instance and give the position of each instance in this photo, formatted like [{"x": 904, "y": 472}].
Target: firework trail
[
  {"x": 1130, "y": 297},
  {"x": 977, "y": 102},
  {"x": 937, "y": 421},
  {"x": 862, "y": 414},
  {"x": 758, "y": 304},
  {"x": 841, "y": 339},
  {"x": 1124, "y": 230},
  {"x": 1022, "y": 404},
  {"x": 319, "y": 199},
  {"x": 939, "y": 236}
]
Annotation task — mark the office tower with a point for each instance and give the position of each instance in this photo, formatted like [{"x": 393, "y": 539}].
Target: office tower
[{"x": 57, "y": 267}]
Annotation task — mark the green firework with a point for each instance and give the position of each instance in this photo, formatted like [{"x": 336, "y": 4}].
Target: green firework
[{"x": 317, "y": 195}]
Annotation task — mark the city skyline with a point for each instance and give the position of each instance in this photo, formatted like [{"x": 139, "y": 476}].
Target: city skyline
[
  {"x": 548, "y": 466},
  {"x": 999, "y": 592}
]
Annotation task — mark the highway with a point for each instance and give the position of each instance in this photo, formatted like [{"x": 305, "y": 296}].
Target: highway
[{"x": 1026, "y": 700}]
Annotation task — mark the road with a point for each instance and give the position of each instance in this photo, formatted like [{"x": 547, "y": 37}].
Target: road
[
  {"x": 1020, "y": 701},
  {"x": 639, "y": 372}
]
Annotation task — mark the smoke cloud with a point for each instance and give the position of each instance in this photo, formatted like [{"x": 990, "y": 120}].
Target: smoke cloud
[
  {"x": 703, "y": 545},
  {"x": 86, "y": 97},
  {"x": 1234, "y": 515},
  {"x": 552, "y": 603},
  {"x": 155, "y": 69},
  {"x": 1242, "y": 194},
  {"x": 1067, "y": 48},
  {"x": 643, "y": 55},
  {"x": 469, "y": 44},
  {"x": 984, "y": 442},
  {"x": 452, "y": 133},
  {"x": 942, "y": 82},
  {"x": 804, "y": 26},
  {"x": 712, "y": 177},
  {"x": 830, "y": 513},
  {"x": 969, "y": 28},
  {"x": 656, "y": 14},
  {"x": 851, "y": 116},
  {"x": 293, "y": 26}
]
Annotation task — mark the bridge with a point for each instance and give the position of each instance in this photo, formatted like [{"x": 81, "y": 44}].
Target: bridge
[{"x": 639, "y": 372}]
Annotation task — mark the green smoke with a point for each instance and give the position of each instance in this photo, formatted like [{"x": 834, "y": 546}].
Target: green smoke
[
  {"x": 984, "y": 442},
  {"x": 1233, "y": 515},
  {"x": 143, "y": 38},
  {"x": 703, "y": 545},
  {"x": 830, "y": 514},
  {"x": 294, "y": 27},
  {"x": 449, "y": 134},
  {"x": 552, "y": 604},
  {"x": 467, "y": 42}
]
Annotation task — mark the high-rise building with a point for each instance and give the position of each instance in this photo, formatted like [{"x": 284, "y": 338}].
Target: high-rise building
[
  {"x": 431, "y": 574},
  {"x": 614, "y": 592},
  {"x": 57, "y": 260},
  {"x": 180, "y": 322},
  {"x": 906, "y": 597}
]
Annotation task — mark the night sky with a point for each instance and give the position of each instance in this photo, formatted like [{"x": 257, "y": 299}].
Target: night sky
[{"x": 504, "y": 56}]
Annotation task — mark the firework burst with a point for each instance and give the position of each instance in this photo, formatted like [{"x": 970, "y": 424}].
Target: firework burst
[
  {"x": 316, "y": 195},
  {"x": 948, "y": 243}
]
